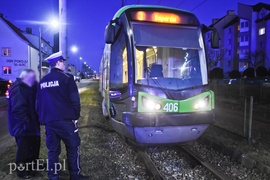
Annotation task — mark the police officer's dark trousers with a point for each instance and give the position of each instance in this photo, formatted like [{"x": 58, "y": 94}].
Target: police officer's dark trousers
[{"x": 67, "y": 132}]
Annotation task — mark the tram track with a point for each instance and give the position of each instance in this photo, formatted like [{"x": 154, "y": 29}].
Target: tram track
[
  {"x": 217, "y": 173},
  {"x": 152, "y": 168},
  {"x": 158, "y": 174}
]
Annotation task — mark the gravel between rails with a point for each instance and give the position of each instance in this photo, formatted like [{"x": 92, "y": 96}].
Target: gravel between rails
[
  {"x": 220, "y": 175},
  {"x": 176, "y": 164}
]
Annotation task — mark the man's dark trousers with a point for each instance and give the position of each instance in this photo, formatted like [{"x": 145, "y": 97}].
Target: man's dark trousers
[
  {"x": 27, "y": 151},
  {"x": 66, "y": 131}
]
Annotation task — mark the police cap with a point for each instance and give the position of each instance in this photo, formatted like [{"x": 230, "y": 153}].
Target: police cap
[{"x": 55, "y": 57}]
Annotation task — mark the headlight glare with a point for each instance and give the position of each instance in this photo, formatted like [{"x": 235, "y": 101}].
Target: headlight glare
[
  {"x": 158, "y": 106},
  {"x": 150, "y": 104},
  {"x": 201, "y": 104}
]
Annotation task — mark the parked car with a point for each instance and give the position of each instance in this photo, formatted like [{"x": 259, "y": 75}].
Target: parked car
[
  {"x": 4, "y": 85},
  {"x": 77, "y": 78}
]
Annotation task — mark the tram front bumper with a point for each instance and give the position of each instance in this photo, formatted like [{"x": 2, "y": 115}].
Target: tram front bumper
[
  {"x": 136, "y": 119},
  {"x": 164, "y": 128}
]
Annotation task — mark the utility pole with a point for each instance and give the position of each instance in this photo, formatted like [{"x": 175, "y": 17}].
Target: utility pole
[
  {"x": 63, "y": 38},
  {"x": 123, "y": 3},
  {"x": 40, "y": 53}
]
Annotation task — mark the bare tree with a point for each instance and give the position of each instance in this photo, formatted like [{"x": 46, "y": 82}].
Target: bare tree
[
  {"x": 215, "y": 56},
  {"x": 256, "y": 59},
  {"x": 259, "y": 58}
]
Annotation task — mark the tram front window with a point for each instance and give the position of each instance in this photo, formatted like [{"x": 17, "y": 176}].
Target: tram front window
[
  {"x": 170, "y": 68},
  {"x": 176, "y": 62}
]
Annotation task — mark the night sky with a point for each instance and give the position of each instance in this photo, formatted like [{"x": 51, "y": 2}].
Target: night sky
[{"x": 88, "y": 18}]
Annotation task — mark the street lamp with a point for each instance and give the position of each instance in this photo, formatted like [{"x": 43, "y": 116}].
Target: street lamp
[
  {"x": 54, "y": 23},
  {"x": 80, "y": 58},
  {"x": 74, "y": 49}
]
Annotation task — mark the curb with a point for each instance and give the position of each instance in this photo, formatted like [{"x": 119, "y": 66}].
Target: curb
[{"x": 236, "y": 155}]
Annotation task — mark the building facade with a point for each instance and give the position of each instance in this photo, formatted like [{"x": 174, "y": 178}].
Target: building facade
[
  {"x": 244, "y": 38},
  {"x": 19, "y": 50},
  {"x": 225, "y": 44},
  {"x": 262, "y": 52},
  {"x": 231, "y": 42}
]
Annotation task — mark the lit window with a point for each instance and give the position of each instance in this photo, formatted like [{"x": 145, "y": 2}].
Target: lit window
[
  {"x": 6, "y": 70},
  {"x": 262, "y": 31},
  {"x": 6, "y": 51}
]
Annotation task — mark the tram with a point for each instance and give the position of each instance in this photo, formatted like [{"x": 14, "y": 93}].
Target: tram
[{"x": 154, "y": 75}]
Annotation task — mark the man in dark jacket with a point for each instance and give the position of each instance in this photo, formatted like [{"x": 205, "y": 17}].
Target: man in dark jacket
[
  {"x": 58, "y": 106},
  {"x": 23, "y": 120}
]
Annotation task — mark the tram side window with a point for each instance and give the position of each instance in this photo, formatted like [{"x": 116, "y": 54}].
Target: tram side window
[{"x": 118, "y": 64}]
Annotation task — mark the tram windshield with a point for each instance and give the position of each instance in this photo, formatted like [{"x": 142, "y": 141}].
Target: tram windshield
[{"x": 169, "y": 57}]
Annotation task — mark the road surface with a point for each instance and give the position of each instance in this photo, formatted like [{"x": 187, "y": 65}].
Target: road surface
[{"x": 5, "y": 139}]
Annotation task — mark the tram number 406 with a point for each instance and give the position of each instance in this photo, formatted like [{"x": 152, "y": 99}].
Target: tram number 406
[{"x": 171, "y": 107}]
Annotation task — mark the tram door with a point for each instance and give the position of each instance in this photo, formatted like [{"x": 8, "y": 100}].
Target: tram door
[{"x": 118, "y": 77}]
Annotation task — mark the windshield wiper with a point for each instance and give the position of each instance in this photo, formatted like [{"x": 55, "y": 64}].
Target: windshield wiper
[{"x": 162, "y": 88}]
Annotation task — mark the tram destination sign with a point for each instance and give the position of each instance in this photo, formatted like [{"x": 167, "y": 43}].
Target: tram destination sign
[{"x": 164, "y": 17}]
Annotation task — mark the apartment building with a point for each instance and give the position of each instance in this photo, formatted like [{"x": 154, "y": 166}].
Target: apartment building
[{"x": 244, "y": 38}]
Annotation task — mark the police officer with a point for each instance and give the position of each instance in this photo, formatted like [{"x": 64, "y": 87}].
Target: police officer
[{"x": 58, "y": 106}]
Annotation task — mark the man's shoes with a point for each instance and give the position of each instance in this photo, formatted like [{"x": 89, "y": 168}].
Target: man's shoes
[{"x": 82, "y": 177}]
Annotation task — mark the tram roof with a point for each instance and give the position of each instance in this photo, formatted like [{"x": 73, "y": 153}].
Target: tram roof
[{"x": 125, "y": 8}]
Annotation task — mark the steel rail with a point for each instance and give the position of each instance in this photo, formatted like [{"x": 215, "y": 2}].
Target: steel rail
[
  {"x": 150, "y": 166},
  {"x": 207, "y": 165}
]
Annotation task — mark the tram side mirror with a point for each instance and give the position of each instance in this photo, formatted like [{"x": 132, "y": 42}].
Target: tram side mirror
[
  {"x": 214, "y": 40},
  {"x": 115, "y": 95},
  {"x": 109, "y": 33}
]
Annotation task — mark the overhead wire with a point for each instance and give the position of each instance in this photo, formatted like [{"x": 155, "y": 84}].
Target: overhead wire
[
  {"x": 180, "y": 3},
  {"x": 198, "y": 5}
]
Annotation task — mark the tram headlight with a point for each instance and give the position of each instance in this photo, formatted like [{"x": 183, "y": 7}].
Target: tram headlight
[
  {"x": 202, "y": 103},
  {"x": 150, "y": 104}
]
